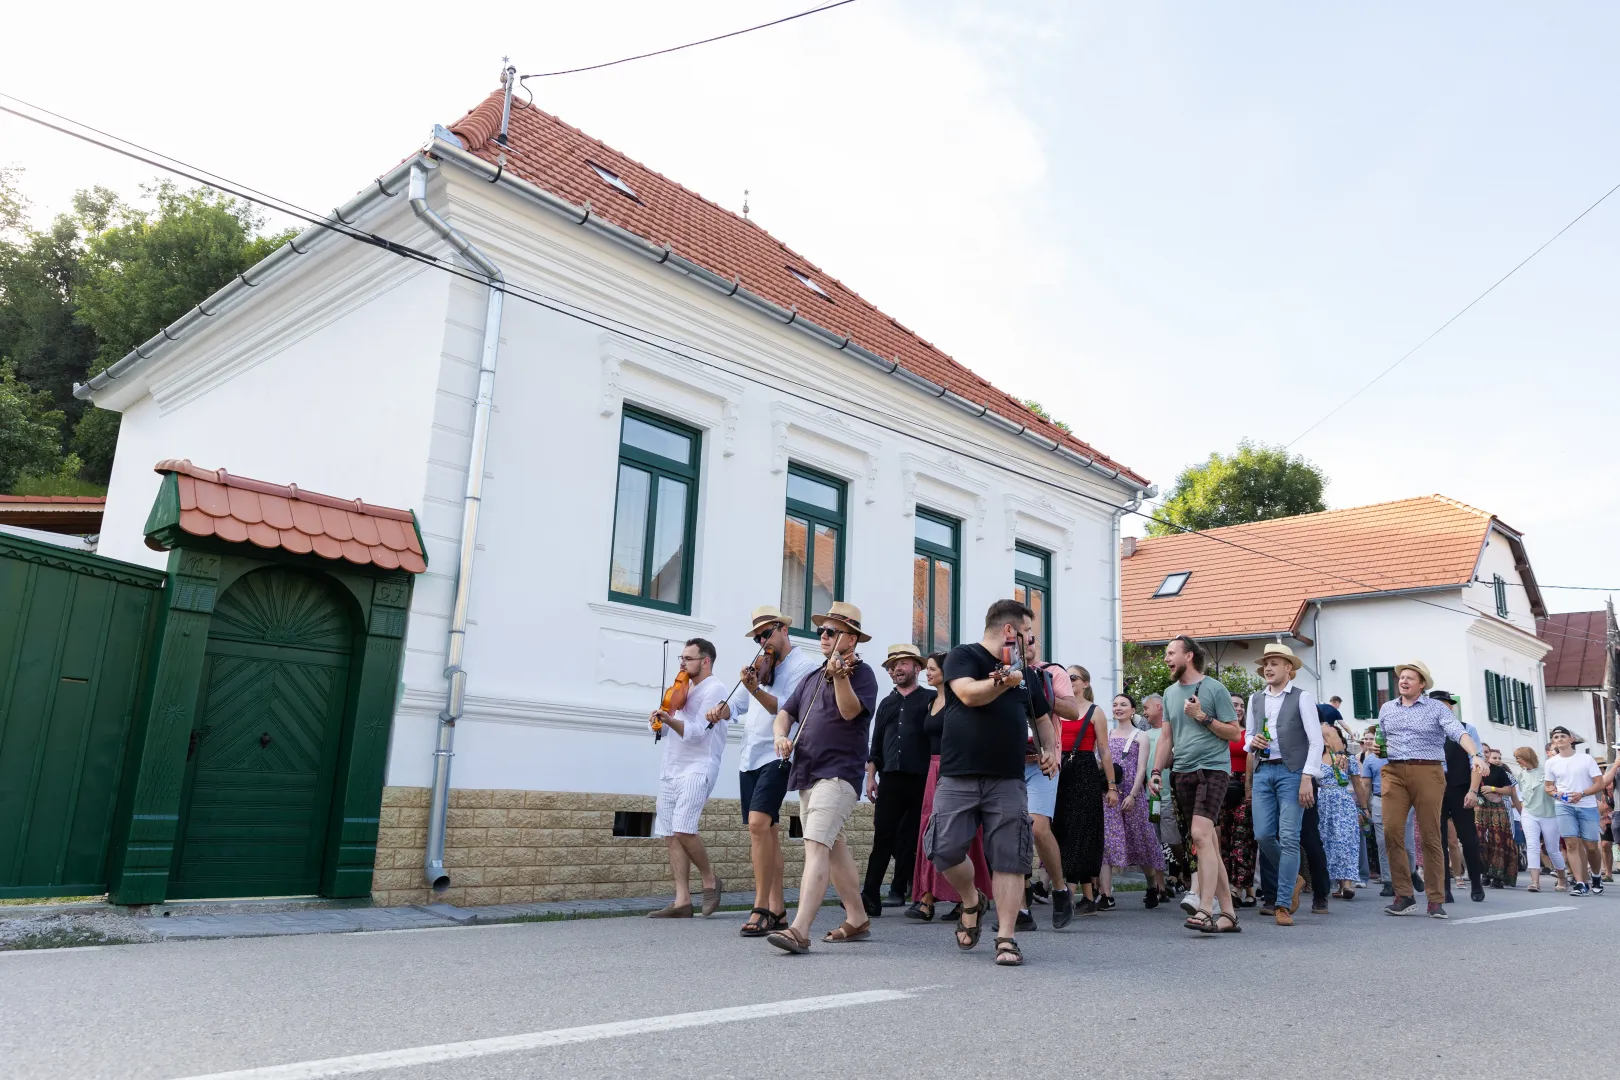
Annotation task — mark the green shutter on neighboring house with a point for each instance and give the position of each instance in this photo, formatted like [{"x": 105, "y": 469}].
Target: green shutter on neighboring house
[
  {"x": 1361, "y": 694},
  {"x": 1530, "y": 706},
  {"x": 1493, "y": 704}
]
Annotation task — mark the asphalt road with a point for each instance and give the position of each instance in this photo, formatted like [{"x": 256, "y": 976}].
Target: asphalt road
[{"x": 1129, "y": 992}]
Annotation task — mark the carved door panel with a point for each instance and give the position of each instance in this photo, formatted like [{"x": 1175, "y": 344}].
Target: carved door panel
[{"x": 253, "y": 818}]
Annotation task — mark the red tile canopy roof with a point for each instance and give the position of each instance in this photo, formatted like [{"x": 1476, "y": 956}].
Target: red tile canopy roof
[
  {"x": 1577, "y": 657},
  {"x": 558, "y": 158},
  {"x": 237, "y": 509}
]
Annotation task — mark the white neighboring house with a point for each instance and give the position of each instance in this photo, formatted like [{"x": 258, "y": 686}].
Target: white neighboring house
[
  {"x": 1354, "y": 592},
  {"x": 1575, "y": 669},
  {"x": 689, "y": 419}
]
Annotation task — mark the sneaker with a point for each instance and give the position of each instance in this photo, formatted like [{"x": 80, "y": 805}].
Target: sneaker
[
  {"x": 1580, "y": 888},
  {"x": 1150, "y": 899},
  {"x": 1106, "y": 903},
  {"x": 1062, "y": 908},
  {"x": 1387, "y": 890},
  {"x": 1269, "y": 909},
  {"x": 1189, "y": 904},
  {"x": 1597, "y": 885},
  {"x": 1401, "y": 906},
  {"x": 1026, "y": 921},
  {"x": 1042, "y": 892},
  {"x": 1438, "y": 911},
  {"x": 1085, "y": 906},
  {"x": 1319, "y": 909}
]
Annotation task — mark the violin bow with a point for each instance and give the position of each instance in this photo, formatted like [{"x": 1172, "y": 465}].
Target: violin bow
[
  {"x": 738, "y": 683},
  {"x": 663, "y": 675}
]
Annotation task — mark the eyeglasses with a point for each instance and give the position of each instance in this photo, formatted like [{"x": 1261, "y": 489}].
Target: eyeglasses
[
  {"x": 827, "y": 631},
  {"x": 691, "y": 659},
  {"x": 760, "y": 637}
]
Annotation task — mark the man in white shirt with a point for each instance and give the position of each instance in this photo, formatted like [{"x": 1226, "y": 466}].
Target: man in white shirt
[
  {"x": 1574, "y": 780},
  {"x": 761, "y": 779},
  {"x": 691, "y": 763},
  {"x": 1286, "y": 738}
]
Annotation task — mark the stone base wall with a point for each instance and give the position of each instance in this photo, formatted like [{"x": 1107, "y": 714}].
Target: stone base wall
[{"x": 507, "y": 847}]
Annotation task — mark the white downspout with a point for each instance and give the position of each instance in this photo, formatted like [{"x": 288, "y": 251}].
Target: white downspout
[{"x": 472, "y": 499}]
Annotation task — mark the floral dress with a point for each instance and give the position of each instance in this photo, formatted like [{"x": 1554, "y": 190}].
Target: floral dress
[
  {"x": 1338, "y": 819},
  {"x": 1129, "y": 838}
]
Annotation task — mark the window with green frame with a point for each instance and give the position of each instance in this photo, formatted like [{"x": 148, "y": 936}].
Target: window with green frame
[
  {"x": 1370, "y": 688},
  {"x": 655, "y": 512},
  {"x": 1032, "y": 587},
  {"x": 812, "y": 546},
  {"x": 936, "y": 582}
]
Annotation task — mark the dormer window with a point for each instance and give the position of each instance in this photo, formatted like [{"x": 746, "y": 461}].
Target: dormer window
[
  {"x": 1173, "y": 584},
  {"x": 612, "y": 180}
]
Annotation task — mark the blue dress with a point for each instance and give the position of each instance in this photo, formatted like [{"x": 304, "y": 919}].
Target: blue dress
[{"x": 1339, "y": 823}]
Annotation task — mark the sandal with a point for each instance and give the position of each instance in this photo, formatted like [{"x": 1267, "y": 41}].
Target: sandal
[
  {"x": 1007, "y": 953},
  {"x": 779, "y": 920},
  {"x": 1199, "y": 920},
  {"x": 972, "y": 932},
  {"x": 921, "y": 911},
  {"x": 1215, "y": 926},
  {"x": 789, "y": 940},
  {"x": 847, "y": 931},
  {"x": 765, "y": 924},
  {"x": 1533, "y": 888}
]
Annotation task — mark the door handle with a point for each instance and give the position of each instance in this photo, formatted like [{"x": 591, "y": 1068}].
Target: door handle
[{"x": 264, "y": 740}]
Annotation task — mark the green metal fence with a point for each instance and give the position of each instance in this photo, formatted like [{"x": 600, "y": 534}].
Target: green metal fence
[{"x": 75, "y": 635}]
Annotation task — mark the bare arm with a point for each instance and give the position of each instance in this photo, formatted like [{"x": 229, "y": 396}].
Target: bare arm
[
  {"x": 1066, "y": 708},
  {"x": 976, "y": 692}
]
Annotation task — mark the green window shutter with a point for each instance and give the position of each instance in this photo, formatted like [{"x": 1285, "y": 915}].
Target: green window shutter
[
  {"x": 1530, "y": 708},
  {"x": 1361, "y": 694},
  {"x": 1493, "y": 704}
]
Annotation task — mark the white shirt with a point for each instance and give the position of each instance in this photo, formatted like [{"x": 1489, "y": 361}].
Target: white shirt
[
  {"x": 759, "y": 726},
  {"x": 1572, "y": 774},
  {"x": 699, "y": 750},
  {"x": 1309, "y": 719}
]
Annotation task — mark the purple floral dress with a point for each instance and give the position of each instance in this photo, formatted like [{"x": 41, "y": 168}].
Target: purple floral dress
[{"x": 1129, "y": 839}]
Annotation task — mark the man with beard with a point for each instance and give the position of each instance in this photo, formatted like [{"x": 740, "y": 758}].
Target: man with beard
[{"x": 896, "y": 773}]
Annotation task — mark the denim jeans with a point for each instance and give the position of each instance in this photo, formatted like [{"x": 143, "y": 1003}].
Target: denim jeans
[{"x": 1277, "y": 815}]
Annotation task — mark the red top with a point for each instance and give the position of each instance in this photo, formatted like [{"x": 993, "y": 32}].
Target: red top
[
  {"x": 1082, "y": 730},
  {"x": 1240, "y": 757}
]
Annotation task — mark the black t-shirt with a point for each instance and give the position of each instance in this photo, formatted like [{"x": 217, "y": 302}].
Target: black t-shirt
[
  {"x": 987, "y": 740},
  {"x": 934, "y": 727}
]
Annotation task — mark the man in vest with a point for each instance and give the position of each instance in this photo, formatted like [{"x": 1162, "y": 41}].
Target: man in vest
[{"x": 1286, "y": 737}]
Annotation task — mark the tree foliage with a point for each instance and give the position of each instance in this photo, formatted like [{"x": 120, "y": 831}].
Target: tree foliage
[
  {"x": 1147, "y": 673},
  {"x": 1255, "y": 483},
  {"x": 78, "y": 295}
]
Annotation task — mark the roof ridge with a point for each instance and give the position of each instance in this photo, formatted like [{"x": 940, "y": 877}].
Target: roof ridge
[{"x": 1146, "y": 540}]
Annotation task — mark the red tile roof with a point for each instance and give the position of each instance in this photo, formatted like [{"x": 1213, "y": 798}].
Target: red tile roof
[
  {"x": 556, "y": 157},
  {"x": 235, "y": 508},
  {"x": 1576, "y": 637},
  {"x": 1420, "y": 543},
  {"x": 79, "y": 514}
]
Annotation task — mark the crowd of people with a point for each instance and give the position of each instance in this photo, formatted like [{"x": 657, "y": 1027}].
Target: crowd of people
[{"x": 996, "y": 776}]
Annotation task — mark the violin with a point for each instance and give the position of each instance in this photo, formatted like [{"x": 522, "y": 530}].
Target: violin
[
  {"x": 763, "y": 665},
  {"x": 675, "y": 697}
]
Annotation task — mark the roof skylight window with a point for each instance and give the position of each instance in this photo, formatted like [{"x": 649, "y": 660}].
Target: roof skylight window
[
  {"x": 1173, "y": 584},
  {"x": 808, "y": 282},
  {"x": 612, "y": 180}
]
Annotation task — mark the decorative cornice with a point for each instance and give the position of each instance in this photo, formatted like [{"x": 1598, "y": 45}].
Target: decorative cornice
[
  {"x": 25, "y": 550},
  {"x": 635, "y": 619},
  {"x": 622, "y": 356},
  {"x": 825, "y": 440},
  {"x": 1045, "y": 514},
  {"x": 953, "y": 488}
]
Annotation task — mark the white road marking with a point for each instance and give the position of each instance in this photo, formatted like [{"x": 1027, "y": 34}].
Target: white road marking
[
  {"x": 538, "y": 1040},
  {"x": 1513, "y": 915}
]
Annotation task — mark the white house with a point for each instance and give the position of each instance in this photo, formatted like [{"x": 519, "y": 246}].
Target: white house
[
  {"x": 673, "y": 418},
  {"x": 1354, "y": 592},
  {"x": 1576, "y": 660}
]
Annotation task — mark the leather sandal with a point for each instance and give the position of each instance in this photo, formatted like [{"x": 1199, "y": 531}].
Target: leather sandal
[
  {"x": 1200, "y": 921},
  {"x": 765, "y": 924},
  {"x": 789, "y": 940},
  {"x": 1215, "y": 926},
  {"x": 846, "y": 931},
  {"x": 1008, "y": 954},
  {"x": 973, "y": 931}
]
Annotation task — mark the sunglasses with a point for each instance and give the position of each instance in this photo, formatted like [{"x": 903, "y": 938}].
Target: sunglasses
[
  {"x": 827, "y": 631},
  {"x": 760, "y": 637}
]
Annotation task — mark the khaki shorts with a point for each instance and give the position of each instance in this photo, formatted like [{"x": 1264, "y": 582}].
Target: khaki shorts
[{"x": 825, "y": 808}]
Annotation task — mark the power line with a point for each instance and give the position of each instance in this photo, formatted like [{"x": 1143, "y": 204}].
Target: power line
[
  {"x": 1466, "y": 308},
  {"x": 688, "y": 45},
  {"x": 654, "y": 339},
  {"x": 1539, "y": 585}
]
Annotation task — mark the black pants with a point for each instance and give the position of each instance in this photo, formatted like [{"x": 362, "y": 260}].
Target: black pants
[
  {"x": 1453, "y": 810},
  {"x": 1313, "y": 862},
  {"x": 894, "y": 833}
]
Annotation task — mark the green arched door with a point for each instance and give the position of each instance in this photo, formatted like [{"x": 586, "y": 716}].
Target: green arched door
[{"x": 259, "y": 772}]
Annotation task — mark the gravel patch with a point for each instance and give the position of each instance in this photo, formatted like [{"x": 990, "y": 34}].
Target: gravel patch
[{"x": 65, "y": 931}]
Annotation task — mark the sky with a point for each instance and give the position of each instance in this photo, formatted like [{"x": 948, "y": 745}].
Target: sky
[{"x": 1175, "y": 225}]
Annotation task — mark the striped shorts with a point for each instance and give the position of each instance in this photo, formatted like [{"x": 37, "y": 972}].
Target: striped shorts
[{"x": 680, "y": 803}]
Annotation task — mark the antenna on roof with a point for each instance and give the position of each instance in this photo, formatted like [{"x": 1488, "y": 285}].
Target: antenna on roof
[
  {"x": 508, "y": 80},
  {"x": 745, "y": 204}
]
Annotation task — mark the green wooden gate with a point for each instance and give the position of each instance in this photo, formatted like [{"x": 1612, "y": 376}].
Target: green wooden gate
[
  {"x": 259, "y": 775},
  {"x": 75, "y": 631}
]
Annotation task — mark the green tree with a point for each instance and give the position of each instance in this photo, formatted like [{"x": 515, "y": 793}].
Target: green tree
[
  {"x": 1256, "y": 483},
  {"x": 1146, "y": 672},
  {"x": 30, "y": 430}
]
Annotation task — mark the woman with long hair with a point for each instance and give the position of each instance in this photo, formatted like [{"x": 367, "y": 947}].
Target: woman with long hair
[
  {"x": 1078, "y": 824},
  {"x": 1129, "y": 838},
  {"x": 1540, "y": 815},
  {"x": 927, "y": 883},
  {"x": 1495, "y": 826}
]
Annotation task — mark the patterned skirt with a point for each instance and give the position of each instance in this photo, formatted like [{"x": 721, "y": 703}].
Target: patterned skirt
[
  {"x": 1239, "y": 848},
  {"x": 1129, "y": 838},
  {"x": 1496, "y": 847},
  {"x": 1078, "y": 824},
  {"x": 925, "y": 877}
]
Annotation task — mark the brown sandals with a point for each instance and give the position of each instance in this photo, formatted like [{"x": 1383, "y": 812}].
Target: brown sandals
[
  {"x": 848, "y": 932},
  {"x": 1008, "y": 954},
  {"x": 973, "y": 931},
  {"x": 768, "y": 920},
  {"x": 789, "y": 940}
]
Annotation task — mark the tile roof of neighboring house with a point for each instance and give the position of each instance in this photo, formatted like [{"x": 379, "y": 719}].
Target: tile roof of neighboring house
[
  {"x": 79, "y": 514},
  {"x": 1576, "y": 637},
  {"x": 556, "y": 157},
  {"x": 234, "y": 508},
  {"x": 1423, "y": 543}
]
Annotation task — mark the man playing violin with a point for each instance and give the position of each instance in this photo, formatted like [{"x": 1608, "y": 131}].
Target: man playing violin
[
  {"x": 834, "y": 714},
  {"x": 762, "y": 782},
  {"x": 690, "y": 766}
]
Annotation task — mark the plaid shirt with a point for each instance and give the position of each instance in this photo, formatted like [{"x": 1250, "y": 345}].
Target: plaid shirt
[{"x": 1418, "y": 731}]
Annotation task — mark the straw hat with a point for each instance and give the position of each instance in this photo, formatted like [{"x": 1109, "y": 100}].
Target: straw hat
[
  {"x": 1277, "y": 648},
  {"x": 764, "y": 616},
  {"x": 844, "y": 616},
  {"x": 1418, "y": 666},
  {"x": 907, "y": 651}
]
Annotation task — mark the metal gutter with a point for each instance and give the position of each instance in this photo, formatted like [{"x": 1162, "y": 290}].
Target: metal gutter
[
  {"x": 582, "y": 215},
  {"x": 231, "y": 294},
  {"x": 472, "y": 501}
]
